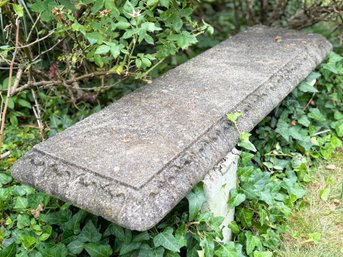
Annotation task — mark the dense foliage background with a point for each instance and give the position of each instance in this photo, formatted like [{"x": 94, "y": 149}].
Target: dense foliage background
[{"x": 63, "y": 60}]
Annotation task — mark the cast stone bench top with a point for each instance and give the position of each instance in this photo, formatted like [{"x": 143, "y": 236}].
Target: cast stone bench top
[{"x": 132, "y": 162}]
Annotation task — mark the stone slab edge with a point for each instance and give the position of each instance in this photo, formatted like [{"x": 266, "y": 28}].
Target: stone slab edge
[{"x": 142, "y": 209}]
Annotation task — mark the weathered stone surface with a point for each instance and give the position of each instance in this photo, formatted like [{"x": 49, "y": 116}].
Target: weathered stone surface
[
  {"x": 132, "y": 162},
  {"x": 218, "y": 183}
]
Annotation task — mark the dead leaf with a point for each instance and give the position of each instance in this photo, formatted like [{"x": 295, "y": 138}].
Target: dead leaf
[
  {"x": 278, "y": 39},
  {"x": 331, "y": 167},
  {"x": 36, "y": 212}
]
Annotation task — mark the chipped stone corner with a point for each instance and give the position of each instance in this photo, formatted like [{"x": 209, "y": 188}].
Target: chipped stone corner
[{"x": 217, "y": 185}]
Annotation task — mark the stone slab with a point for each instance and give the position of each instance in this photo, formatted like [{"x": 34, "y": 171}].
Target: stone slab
[{"x": 132, "y": 162}]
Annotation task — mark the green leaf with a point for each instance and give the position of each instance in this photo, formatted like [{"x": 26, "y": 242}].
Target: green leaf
[
  {"x": 151, "y": 3},
  {"x": 11, "y": 103},
  {"x": 325, "y": 194},
  {"x": 227, "y": 250},
  {"x": 233, "y": 117},
  {"x": 236, "y": 200},
  {"x": 59, "y": 250},
  {"x": 13, "y": 119},
  {"x": 21, "y": 203},
  {"x": 122, "y": 25},
  {"x": 263, "y": 254},
  {"x": 167, "y": 240},
  {"x": 252, "y": 242},
  {"x": 315, "y": 237},
  {"x": 18, "y": 9},
  {"x": 115, "y": 230},
  {"x": 316, "y": 115},
  {"x": 164, "y": 3},
  {"x": 150, "y": 26},
  {"x": 94, "y": 37},
  {"x": 29, "y": 241},
  {"x": 196, "y": 199},
  {"x": 103, "y": 49},
  {"x": 98, "y": 250},
  {"x": 24, "y": 103},
  {"x": 207, "y": 243},
  {"x": 183, "y": 40},
  {"x": 304, "y": 121},
  {"x": 146, "y": 251},
  {"x": 89, "y": 233},
  {"x": 245, "y": 216},
  {"x": 234, "y": 227},
  {"x": 305, "y": 87},
  {"x": 144, "y": 236},
  {"x": 76, "y": 247},
  {"x": 5, "y": 179},
  {"x": 129, "y": 247},
  {"x": 245, "y": 142},
  {"x": 59, "y": 217},
  {"x": 9, "y": 251}
]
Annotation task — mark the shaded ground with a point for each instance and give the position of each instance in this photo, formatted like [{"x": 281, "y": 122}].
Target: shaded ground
[{"x": 317, "y": 224}]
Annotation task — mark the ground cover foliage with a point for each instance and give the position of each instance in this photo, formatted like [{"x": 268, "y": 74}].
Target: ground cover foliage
[{"x": 277, "y": 157}]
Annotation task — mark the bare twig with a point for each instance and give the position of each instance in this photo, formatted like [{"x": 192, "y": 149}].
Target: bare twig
[
  {"x": 309, "y": 101},
  {"x": 4, "y": 111},
  {"x": 48, "y": 50},
  {"x": 37, "y": 41},
  {"x": 37, "y": 112}
]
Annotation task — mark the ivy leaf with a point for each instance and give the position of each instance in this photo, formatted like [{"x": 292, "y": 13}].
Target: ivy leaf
[
  {"x": 5, "y": 179},
  {"x": 245, "y": 142},
  {"x": 129, "y": 247},
  {"x": 304, "y": 121},
  {"x": 98, "y": 250},
  {"x": 58, "y": 217},
  {"x": 236, "y": 200},
  {"x": 207, "y": 244},
  {"x": 89, "y": 233},
  {"x": 233, "y": 117},
  {"x": 146, "y": 251},
  {"x": 167, "y": 240},
  {"x": 165, "y": 3},
  {"x": 325, "y": 194},
  {"x": 59, "y": 250},
  {"x": 115, "y": 230},
  {"x": 316, "y": 115},
  {"x": 252, "y": 242},
  {"x": 245, "y": 217},
  {"x": 9, "y": 251},
  {"x": 151, "y": 3},
  {"x": 76, "y": 247},
  {"x": 144, "y": 236},
  {"x": 306, "y": 87},
  {"x": 196, "y": 199},
  {"x": 226, "y": 250},
  {"x": 21, "y": 203}
]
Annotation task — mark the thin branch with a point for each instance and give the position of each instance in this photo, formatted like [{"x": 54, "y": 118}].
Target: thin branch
[
  {"x": 37, "y": 112},
  {"x": 37, "y": 41},
  {"x": 48, "y": 50}
]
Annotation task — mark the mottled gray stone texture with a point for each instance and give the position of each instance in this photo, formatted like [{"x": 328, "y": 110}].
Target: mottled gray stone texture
[{"x": 132, "y": 162}]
